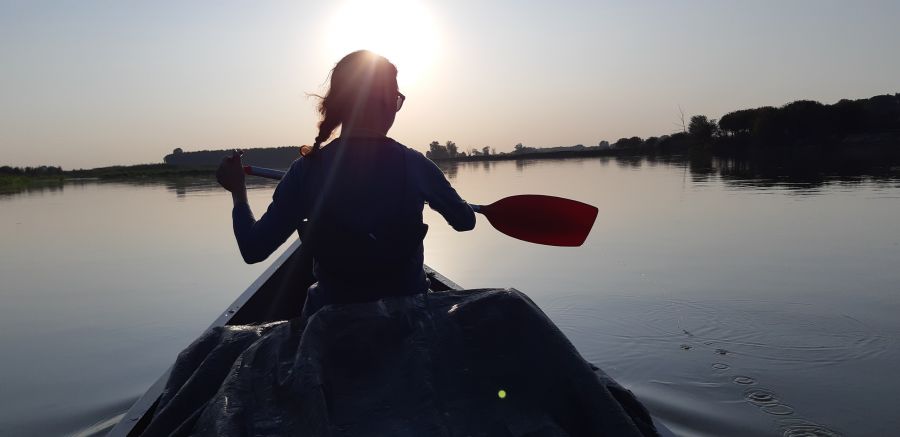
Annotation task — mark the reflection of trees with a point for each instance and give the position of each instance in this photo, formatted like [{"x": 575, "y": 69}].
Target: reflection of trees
[
  {"x": 450, "y": 168},
  {"x": 805, "y": 170},
  {"x": 522, "y": 164},
  {"x": 36, "y": 187},
  {"x": 798, "y": 170},
  {"x": 629, "y": 161},
  {"x": 181, "y": 186}
]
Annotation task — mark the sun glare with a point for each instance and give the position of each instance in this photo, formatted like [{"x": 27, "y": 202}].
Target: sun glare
[{"x": 401, "y": 30}]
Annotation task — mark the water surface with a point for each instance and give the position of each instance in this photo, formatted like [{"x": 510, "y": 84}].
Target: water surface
[{"x": 729, "y": 305}]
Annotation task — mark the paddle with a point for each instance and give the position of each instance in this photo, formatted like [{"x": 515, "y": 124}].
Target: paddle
[{"x": 535, "y": 218}]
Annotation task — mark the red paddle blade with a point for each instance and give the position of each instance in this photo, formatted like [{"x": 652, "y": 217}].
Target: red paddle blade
[{"x": 549, "y": 220}]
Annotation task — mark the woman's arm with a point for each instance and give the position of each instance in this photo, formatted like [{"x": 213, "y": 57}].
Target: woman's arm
[
  {"x": 257, "y": 239},
  {"x": 442, "y": 198}
]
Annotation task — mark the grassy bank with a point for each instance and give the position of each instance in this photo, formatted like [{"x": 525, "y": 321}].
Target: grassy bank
[
  {"x": 15, "y": 183},
  {"x": 13, "y": 180}
]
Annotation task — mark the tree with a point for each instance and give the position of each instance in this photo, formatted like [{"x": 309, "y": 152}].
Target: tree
[
  {"x": 805, "y": 119},
  {"x": 486, "y": 150},
  {"x": 628, "y": 143},
  {"x": 451, "y": 149},
  {"x": 702, "y": 128},
  {"x": 739, "y": 122},
  {"x": 882, "y": 112},
  {"x": 519, "y": 148},
  {"x": 850, "y": 116},
  {"x": 177, "y": 151},
  {"x": 768, "y": 128},
  {"x": 437, "y": 151}
]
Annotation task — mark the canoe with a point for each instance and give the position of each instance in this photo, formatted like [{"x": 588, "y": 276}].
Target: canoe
[{"x": 278, "y": 294}]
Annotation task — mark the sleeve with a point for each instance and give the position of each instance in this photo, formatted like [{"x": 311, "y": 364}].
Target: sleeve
[
  {"x": 257, "y": 239},
  {"x": 442, "y": 198}
]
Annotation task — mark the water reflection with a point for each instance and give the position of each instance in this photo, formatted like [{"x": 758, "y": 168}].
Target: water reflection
[
  {"x": 449, "y": 168},
  {"x": 181, "y": 186},
  {"x": 784, "y": 171},
  {"x": 38, "y": 188},
  {"x": 797, "y": 170},
  {"x": 186, "y": 186},
  {"x": 803, "y": 173},
  {"x": 719, "y": 307}
]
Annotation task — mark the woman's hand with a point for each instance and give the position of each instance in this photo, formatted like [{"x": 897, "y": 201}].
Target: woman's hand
[{"x": 230, "y": 174}]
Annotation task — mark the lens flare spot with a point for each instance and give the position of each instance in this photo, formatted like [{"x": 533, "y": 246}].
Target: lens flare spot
[{"x": 501, "y": 394}]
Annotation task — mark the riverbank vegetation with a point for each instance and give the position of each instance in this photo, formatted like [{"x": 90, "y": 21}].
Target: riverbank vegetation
[
  {"x": 19, "y": 178},
  {"x": 15, "y": 179},
  {"x": 871, "y": 125},
  {"x": 863, "y": 132},
  {"x": 141, "y": 171}
]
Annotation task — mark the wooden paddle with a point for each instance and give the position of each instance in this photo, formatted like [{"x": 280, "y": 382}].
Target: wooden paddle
[{"x": 550, "y": 220}]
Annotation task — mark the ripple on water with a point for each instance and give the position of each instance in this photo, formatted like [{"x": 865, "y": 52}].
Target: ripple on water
[
  {"x": 761, "y": 397},
  {"x": 767, "y": 402},
  {"x": 804, "y": 428},
  {"x": 778, "y": 410},
  {"x": 773, "y": 331},
  {"x": 744, "y": 380}
]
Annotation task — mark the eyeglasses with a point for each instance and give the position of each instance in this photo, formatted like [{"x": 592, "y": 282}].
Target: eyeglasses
[{"x": 400, "y": 99}]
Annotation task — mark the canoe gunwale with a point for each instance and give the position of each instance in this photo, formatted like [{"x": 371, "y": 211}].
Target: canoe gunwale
[{"x": 137, "y": 418}]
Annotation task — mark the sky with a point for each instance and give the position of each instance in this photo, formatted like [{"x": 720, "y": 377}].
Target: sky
[{"x": 92, "y": 83}]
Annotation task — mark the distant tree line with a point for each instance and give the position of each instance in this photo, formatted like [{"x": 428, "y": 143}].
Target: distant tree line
[
  {"x": 799, "y": 123},
  {"x": 273, "y": 157},
  {"x": 40, "y": 171},
  {"x": 808, "y": 119},
  {"x": 803, "y": 122},
  {"x": 13, "y": 179}
]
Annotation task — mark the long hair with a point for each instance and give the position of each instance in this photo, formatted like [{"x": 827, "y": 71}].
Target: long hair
[{"x": 354, "y": 79}]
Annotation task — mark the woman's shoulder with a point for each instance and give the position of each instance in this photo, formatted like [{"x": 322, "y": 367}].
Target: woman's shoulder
[
  {"x": 409, "y": 151},
  {"x": 297, "y": 165},
  {"x": 296, "y": 172}
]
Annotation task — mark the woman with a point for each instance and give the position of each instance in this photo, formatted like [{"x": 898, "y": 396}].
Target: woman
[{"x": 356, "y": 201}]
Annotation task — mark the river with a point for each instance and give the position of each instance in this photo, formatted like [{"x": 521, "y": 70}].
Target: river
[{"x": 731, "y": 305}]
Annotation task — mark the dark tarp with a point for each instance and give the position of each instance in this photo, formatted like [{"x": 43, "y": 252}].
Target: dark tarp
[{"x": 425, "y": 365}]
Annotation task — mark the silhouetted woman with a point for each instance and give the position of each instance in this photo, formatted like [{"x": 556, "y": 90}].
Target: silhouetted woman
[{"x": 357, "y": 200}]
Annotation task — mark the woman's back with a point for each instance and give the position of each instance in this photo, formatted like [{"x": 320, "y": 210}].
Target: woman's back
[
  {"x": 364, "y": 219},
  {"x": 358, "y": 200},
  {"x": 362, "y": 183}
]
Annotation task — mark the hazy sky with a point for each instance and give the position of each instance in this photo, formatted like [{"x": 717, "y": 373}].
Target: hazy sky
[{"x": 90, "y": 83}]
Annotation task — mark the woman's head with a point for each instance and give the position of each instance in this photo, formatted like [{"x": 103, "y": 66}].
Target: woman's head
[{"x": 363, "y": 93}]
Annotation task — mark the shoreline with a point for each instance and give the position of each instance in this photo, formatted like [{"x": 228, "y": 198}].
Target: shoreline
[
  {"x": 868, "y": 154},
  {"x": 726, "y": 148}
]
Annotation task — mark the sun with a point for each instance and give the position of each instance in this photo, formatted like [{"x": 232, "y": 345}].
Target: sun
[{"x": 401, "y": 30}]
